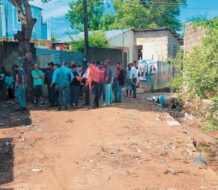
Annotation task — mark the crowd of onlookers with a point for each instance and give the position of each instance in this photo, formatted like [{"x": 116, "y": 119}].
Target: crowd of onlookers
[{"x": 97, "y": 85}]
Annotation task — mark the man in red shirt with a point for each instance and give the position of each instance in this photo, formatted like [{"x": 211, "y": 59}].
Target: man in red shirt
[{"x": 93, "y": 80}]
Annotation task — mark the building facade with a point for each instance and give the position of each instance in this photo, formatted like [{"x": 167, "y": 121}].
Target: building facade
[
  {"x": 9, "y": 25},
  {"x": 147, "y": 44},
  {"x": 158, "y": 44}
]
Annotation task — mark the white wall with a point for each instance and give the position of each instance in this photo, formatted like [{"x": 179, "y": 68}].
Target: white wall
[{"x": 125, "y": 40}]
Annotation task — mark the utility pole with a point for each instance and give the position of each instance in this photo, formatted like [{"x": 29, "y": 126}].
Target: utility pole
[{"x": 86, "y": 32}]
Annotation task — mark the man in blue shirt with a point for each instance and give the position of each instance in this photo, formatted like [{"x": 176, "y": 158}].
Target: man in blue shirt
[{"x": 62, "y": 78}]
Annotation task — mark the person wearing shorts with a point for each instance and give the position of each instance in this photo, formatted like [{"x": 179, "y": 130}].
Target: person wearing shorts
[{"x": 38, "y": 80}]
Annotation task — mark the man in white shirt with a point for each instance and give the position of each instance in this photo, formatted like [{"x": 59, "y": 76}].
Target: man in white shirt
[{"x": 133, "y": 78}]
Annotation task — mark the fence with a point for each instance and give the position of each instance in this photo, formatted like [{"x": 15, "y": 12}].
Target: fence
[
  {"x": 115, "y": 55},
  {"x": 44, "y": 56},
  {"x": 161, "y": 79}
]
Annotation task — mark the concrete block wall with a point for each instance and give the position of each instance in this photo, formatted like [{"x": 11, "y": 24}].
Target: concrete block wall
[
  {"x": 154, "y": 43},
  {"x": 173, "y": 45},
  {"x": 193, "y": 36}
]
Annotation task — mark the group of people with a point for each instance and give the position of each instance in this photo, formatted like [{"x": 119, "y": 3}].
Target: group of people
[{"x": 67, "y": 84}]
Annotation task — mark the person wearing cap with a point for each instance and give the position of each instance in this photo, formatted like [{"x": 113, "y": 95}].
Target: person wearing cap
[
  {"x": 38, "y": 81},
  {"x": 20, "y": 86},
  {"x": 62, "y": 78}
]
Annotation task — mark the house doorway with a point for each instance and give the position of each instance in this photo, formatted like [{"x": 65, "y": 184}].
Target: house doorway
[{"x": 139, "y": 52}]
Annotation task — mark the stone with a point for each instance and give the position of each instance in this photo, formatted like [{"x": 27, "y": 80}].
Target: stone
[
  {"x": 139, "y": 151},
  {"x": 174, "y": 171},
  {"x": 189, "y": 117},
  {"x": 37, "y": 170},
  {"x": 37, "y": 129},
  {"x": 171, "y": 121}
]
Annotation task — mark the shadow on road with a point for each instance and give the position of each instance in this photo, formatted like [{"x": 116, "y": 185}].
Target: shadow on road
[
  {"x": 140, "y": 104},
  {"x": 6, "y": 161},
  {"x": 11, "y": 117}
]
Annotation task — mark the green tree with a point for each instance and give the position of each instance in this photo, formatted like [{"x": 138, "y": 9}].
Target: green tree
[
  {"x": 97, "y": 40},
  {"x": 129, "y": 14},
  {"x": 165, "y": 13},
  {"x": 95, "y": 12},
  {"x": 147, "y": 14},
  {"x": 106, "y": 21}
]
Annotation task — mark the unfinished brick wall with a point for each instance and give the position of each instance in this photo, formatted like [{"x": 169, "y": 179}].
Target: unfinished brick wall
[{"x": 193, "y": 37}]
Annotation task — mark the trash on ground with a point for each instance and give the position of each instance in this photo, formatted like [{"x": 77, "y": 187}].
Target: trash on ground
[{"x": 200, "y": 160}]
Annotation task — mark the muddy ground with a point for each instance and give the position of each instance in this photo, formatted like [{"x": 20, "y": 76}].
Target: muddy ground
[{"x": 129, "y": 146}]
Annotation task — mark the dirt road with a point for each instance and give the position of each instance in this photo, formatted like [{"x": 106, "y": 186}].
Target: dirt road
[{"x": 131, "y": 146}]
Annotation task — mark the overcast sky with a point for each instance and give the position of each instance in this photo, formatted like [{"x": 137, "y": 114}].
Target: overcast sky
[{"x": 55, "y": 12}]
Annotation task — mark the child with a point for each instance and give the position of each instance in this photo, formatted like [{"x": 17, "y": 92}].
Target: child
[{"x": 9, "y": 84}]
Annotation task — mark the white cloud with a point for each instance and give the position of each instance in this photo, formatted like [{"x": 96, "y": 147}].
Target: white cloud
[{"x": 54, "y": 8}]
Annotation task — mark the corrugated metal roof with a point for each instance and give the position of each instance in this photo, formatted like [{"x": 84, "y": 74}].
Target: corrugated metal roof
[
  {"x": 113, "y": 33},
  {"x": 109, "y": 35}
]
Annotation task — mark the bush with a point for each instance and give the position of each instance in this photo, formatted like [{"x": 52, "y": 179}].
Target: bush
[
  {"x": 98, "y": 40},
  {"x": 197, "y": 71},
  {"x": 197, "y": 74}
]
